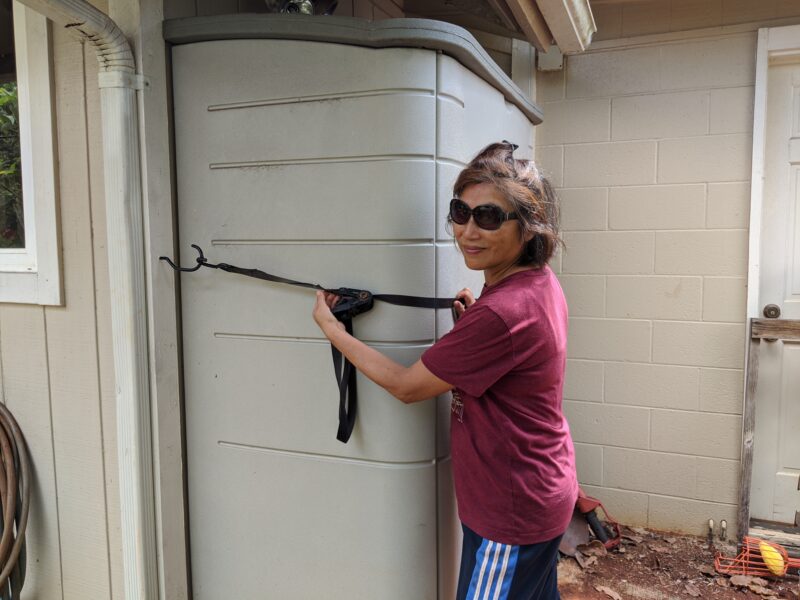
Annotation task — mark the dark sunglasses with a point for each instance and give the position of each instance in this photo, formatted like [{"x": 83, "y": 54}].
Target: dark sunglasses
[{"x": 487, "y": 216}]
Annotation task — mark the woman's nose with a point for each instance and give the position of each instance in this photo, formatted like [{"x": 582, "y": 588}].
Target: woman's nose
[{"x": 471, "y": 230}]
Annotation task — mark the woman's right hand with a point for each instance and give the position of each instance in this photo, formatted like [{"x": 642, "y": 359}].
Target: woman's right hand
[{"x": 464, "y": 299}]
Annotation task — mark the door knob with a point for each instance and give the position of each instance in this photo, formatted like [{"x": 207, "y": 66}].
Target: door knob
[{"x": 772, "y": 311}]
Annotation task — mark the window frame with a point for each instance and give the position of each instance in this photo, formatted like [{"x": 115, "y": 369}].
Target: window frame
[{"x": 33, "y": 275}]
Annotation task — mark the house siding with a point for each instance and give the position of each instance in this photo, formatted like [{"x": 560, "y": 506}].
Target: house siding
[
  {"x": 56, "y": 366},
  {"x": 649, "y": 141}
]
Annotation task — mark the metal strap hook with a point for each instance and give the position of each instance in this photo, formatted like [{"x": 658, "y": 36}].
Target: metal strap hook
[{"x": 202, "y": 261}]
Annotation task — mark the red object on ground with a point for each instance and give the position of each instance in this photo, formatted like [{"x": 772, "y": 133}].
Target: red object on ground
[
  {"x": 587, "y": 506},
  {"x": 750, "y": 560}
]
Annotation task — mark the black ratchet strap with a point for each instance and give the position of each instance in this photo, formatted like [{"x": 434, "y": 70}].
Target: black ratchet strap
[
  {"x": 346, "y": 381},
  {"x": 352, "y": 302}
]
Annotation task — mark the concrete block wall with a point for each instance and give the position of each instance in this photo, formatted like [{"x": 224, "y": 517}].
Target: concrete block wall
[{"x": 649, "y": 143}]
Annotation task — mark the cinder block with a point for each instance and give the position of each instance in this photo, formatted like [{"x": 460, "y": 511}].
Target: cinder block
[
  {"x": 575, "y": 121},
  {"x": 609, "y": 252},
  {"x": 638, "y": 297},
  {"x": 702, "y": 434},
  {"x": 694, "y": 14},
  {"x": 583, "y": 209},
  {"x": 626, "y": 507},
  {"x": 555, "y": 262},
  {"x": 732, "y": 110},
  {"x": 710, "y": 252},
  {"x": 550, "y": 86},
  {"x": 728, "y": 205},
  {"x": 584, "y": 381},
  {"x": 717, "y": 480},
  {"x": 658, "y": 386},
  {"x": 592, "y": 423},
  {"x": 644, "y": 19},
  {"x": 586, "y": 294},
  {"x": 711, "y": 158},
  {"x": 612, "y": 163},
  {"x": 672, "y": 115},
  {"x": 721, "y": 62},
  {"x": 722, "y": 390},
  {"x": 613, "y": 73},
  {"x": 725, "y": 299},
  {"x": 652, "y": 472},
  {"x": 698, "y": 344},
  {"x": 609, "y": 339},
  {"x": 657, "y": 207},
  {"x": 551, "y": 161},
  {"x": 589, "y": 463},
  {"x": 688, "y": 516}
]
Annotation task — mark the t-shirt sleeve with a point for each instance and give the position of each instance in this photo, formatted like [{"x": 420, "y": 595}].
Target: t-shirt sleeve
[{"x": 474, "y": 354}]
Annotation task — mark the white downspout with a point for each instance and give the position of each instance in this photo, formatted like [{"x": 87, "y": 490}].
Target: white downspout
[{"x": 118, "y": 85}]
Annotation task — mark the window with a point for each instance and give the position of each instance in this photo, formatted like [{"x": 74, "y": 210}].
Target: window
[
  {"x": 29, "y": 248},
  {"x": 12, "y": 225}
]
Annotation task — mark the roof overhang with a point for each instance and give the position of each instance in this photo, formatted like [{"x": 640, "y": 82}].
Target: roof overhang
[
  {"x": 566, "y": 23},
  {"x": 569, "y": 24}
]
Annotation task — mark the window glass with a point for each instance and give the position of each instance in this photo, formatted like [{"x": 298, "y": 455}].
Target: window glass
[
  {"x": 12, "y": 224},
  {"x": 12, "y": 220}
]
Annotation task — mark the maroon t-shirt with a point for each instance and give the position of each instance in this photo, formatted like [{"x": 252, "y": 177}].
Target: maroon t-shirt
[{"x": 513, "y": 460}]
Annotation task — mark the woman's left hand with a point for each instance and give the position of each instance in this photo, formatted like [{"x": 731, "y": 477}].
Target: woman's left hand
[{"x": 322, "y": 311}]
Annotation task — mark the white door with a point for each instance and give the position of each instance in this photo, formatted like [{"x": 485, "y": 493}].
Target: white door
[{"x": 775, "y": 259}]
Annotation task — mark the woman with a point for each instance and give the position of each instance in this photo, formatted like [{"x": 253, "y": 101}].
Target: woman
[{"x": 513, "y": 460}]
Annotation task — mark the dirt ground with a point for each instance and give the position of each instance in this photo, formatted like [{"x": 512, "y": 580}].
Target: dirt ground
[{"x": 656, "y": 565}]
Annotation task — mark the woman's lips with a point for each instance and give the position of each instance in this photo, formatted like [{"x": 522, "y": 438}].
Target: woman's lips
[{"x": 468, "y": 250}]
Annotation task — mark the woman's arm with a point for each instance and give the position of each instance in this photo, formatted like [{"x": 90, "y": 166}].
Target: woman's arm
[{"x": 407, "y": 384}]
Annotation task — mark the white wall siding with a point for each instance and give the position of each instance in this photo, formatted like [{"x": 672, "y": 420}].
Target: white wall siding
[{"x": 57, "y": 371}]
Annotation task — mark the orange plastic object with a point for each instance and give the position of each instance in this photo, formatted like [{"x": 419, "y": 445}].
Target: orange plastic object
[{"x": 750, "y": 560}]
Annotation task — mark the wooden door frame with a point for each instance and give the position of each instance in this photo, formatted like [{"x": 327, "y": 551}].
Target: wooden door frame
[{"x": 776, "y": 45}]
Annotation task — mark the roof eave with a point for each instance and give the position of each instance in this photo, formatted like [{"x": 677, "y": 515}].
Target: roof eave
[{"x": 567, "y": 23}]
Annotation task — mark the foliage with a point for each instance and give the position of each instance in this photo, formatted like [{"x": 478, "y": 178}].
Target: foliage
[{"x": 12, "y": 230}]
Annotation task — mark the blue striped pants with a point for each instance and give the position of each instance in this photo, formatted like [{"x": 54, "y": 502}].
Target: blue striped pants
[{"x": 494, "y": 571}]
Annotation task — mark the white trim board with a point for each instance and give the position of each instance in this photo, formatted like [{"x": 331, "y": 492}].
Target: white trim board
[
  {"x": 776, "y": 45},
  {"x": 33, "y": 275}
]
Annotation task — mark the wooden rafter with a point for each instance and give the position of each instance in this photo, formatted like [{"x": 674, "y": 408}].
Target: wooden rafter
[{"x": 531, "y": 22}]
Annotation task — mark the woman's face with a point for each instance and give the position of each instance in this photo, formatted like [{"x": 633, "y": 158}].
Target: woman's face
[{"x": 493, "y": 252}]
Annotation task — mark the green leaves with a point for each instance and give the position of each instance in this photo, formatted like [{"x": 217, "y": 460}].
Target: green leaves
[{"x": 12, "y": 228}]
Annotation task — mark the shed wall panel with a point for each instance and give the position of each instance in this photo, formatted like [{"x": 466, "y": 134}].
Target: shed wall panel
[
  {"x": 72, "y": 347},
  {"x": 57, "y": 366},
  {"x": 26, "y": 393}
]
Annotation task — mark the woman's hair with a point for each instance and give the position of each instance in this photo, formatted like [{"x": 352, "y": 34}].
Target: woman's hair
[{"x": 530, "y": 193}]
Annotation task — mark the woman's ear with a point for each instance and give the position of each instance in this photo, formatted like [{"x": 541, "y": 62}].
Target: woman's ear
[{"x": 527, "y": 236}]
